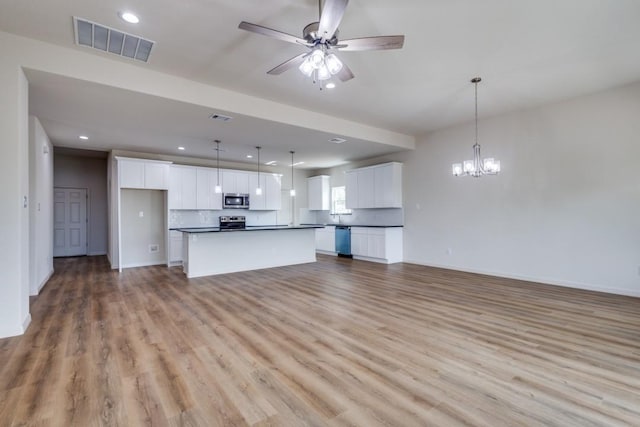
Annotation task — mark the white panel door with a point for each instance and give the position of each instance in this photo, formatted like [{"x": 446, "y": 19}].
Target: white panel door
[{"x": 69, "y": 222}]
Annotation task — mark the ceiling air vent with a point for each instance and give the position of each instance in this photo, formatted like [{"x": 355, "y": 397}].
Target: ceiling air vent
[
  {"x": 110, "y": 40},
  {"x": 337, "y": 140},
  {"x": 221, "y": 117}
]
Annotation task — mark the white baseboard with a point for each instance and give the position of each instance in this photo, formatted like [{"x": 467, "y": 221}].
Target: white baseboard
[
  {"x": 16, "y": 330},
  {"x": 96, "y": 253},
  {"x": 544, "y": 280},
  {"x": 44, "y": 282},
  {"x": 26, "y": 322},
  {"x": 144, "y": 264},
  {"x": 326, "y": 252}
]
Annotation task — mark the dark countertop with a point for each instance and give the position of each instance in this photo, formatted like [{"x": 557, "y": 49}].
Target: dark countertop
[
  {"x": 248, "y": 228},
  {"x": 356, "y": 225}
]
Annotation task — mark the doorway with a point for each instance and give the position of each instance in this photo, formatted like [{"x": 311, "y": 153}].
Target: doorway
[{"x": 69, "y": 222}]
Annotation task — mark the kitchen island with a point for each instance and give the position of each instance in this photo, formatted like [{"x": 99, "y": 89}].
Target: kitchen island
[{"x": 209, "y": 251}]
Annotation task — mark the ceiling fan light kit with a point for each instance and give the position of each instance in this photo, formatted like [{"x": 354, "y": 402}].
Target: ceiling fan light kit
[
  {"x": 476, "y": 167},
  {"x": 321, "y": 64}
]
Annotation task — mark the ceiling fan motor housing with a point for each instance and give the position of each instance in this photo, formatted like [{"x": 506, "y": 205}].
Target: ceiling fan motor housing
[{"x": 310, "y": 34}]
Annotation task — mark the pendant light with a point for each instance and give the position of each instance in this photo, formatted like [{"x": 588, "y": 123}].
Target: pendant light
[
  {"x": 293, "y": 191},
  {"x": 218, "y": 187},
  {"x": 477, "y": 167},
  {"x": 259, "y": 188}
]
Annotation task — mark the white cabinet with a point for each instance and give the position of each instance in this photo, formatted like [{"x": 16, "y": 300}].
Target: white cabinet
[
  {"x": 319, "y": 193},
  {"x": 215, "y": 199},
  {"x": 351, "y": 190},
  {"x": 378, "y": 244},
  {"x": 378, "y": 186},
  {"x": 131, "y": 173},
  {"x": 271, "y": 197},
  {"x": 326, "y": 240},
  {"x": 257, "y": 201},
  {"x": 143, "y": 174},
  {"x": 359, "y": 245},
  {"x": 156, "y": 176},
  {"x": 366, "y": 190},
  {"x": 193, "y": 188},
  {"x": 273, "y": 190},
  {"x": 388, "y": 185},
  {"x": 235, "y": 182},
  {"x": 203, "y": 187},
  {"x": 182, "y": 187},
  {"x": 206, "y": 196},
  {"x": 175, "y": 246}
]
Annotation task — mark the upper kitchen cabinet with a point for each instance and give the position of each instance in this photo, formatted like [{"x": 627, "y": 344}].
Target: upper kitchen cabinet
[
  {"x": 271, "y": 197},
  {"x": 194, "y": 188},
  {"x": 387, "y": 182},
  {"x": 183, "y": 182},
  {"x": 235, "y": 181},
  {"x": 378, "y": 186},
  {"x": 206, "y": 196},
  {"x": 143, "y": 174},
  {"x": 319, "y": 193}
]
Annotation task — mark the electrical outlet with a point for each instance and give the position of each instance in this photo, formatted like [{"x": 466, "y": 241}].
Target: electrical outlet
[{"x": 154, "y": 248}]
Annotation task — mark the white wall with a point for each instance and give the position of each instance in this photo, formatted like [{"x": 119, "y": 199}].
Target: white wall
[
  {"x": 565, "y": 209},
  {"x": 41, "y": 206},
  {"x": 72, "y": 171},
  {"x": 14, "y": 187},
  {"x": 138, "y": 232}
]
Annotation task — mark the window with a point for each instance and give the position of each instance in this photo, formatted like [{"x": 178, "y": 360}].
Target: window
[{"x": 339, "y": 201}]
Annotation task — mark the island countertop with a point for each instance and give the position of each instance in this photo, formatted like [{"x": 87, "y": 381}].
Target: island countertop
[
  {"x": 247, "y": 228},
  {"x": 352, "y": 225}
]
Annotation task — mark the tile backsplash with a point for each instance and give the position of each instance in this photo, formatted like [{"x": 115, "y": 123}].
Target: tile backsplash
[{"x": 388, "y": 216}]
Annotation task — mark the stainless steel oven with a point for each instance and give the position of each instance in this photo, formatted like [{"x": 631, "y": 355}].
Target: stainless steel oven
[
  {"x": 235, "y": 201},
  {"x": 232, "y": 222}
]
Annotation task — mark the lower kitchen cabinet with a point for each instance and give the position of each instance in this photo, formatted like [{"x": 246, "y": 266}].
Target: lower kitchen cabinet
[
  {"x": 175, "y": 247},
  {"x": 326, "y": 240},
  {"x": 378, "y": 244}
]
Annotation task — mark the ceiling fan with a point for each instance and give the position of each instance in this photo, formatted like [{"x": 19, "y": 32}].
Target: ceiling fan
[{"x": 321, "y": 37}]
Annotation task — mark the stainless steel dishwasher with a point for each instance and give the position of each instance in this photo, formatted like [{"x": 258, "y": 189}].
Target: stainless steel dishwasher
[{"x": 343, "y": 241}]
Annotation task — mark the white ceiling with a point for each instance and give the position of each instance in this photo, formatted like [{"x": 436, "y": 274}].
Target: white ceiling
[{"x": 528, "y": 53}]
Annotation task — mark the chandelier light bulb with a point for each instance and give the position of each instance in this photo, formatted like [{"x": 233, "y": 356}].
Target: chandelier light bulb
[
  {"x": 217, "y": 189},
  {"x": 457, "y": 169},
  {"x": 292, "y": 193},
  {"x": 334, "y": 65},
  {"x": 323, "y": 73},
  {"x": 317, "y": 58},
  {"x": 468, "y": 166},
  {"x": 306, "y": 67}
]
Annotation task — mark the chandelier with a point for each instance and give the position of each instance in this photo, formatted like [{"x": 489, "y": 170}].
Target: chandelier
[
  {"x": 319, "y": 65},
  {"x": 477, "y": 167}
]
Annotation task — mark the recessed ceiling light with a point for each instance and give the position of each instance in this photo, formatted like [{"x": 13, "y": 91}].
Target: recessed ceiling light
[
  {"x": 180, "y": 148},
  {"x": 297, "y": 163},
  {"x": 129, "y": 17},
  {"x": 337, "y": 140},
  {"x": 271, "y": 163},
  {"x": 249, "y": 156},
  {"x": 83, "y": 137},
  {"x": 330, "y": 85}
]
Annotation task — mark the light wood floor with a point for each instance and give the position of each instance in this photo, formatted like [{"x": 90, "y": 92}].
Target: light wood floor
[{"x": 338, "y": 342}]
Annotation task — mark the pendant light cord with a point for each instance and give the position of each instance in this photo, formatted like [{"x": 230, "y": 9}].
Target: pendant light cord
[{"x": 476, "y": 83}]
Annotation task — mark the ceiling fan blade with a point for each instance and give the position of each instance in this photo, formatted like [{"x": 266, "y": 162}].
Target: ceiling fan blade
[
  {"x": 293, "y": 62},
  {"x": 373, "y": 43},
  {"x": 330, "y": 18},
  {"x": 259, "y": 29},
  {"x": 345, "y": 73}
]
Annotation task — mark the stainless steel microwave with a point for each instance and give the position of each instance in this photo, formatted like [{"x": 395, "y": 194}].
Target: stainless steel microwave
[{"x": 235, "y": 201}]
